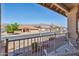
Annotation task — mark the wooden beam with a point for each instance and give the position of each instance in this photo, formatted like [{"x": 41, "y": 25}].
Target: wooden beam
[
  {"x": 54, "y": 7},
  {"x": 62, "y": 7}
]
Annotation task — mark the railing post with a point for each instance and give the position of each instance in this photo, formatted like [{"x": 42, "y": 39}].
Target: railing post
[
  {"x": 55, "y": 35},
  {"x": 6, "y": 47},
  {"x": 55, "y": 43}
]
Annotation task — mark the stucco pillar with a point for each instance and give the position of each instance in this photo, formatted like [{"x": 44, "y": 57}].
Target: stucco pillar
[{"x": 73, "y": 23}]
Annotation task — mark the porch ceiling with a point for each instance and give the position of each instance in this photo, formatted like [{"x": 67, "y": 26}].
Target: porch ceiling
[{"x": 61, "y": 8}]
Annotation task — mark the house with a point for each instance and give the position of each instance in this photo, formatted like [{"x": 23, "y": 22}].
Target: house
[
  {"x": 44, "y": 28},
  {"x": 28, "y": 28}
]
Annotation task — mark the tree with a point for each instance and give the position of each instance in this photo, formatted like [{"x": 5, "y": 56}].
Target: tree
[
  {"x": 11, "y": 28},
  {"x": 15, "y": 26}
]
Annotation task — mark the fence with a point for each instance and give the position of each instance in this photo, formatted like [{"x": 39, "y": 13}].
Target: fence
[{"x": 30, "y": 45}]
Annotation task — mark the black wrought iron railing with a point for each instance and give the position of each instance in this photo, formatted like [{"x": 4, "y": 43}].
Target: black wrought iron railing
[{"x": 31, "y": 45}]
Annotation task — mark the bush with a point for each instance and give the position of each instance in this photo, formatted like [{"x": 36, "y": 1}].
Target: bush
[{"x": 34, "y": 47}]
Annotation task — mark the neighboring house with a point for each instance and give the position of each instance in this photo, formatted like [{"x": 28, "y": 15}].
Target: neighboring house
[
  {"x": 28, "y": 28},
  {"x": 45, "y": 28}
]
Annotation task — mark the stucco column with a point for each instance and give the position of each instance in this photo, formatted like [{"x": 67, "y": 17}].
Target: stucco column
[{"x": 73, "y": 23}]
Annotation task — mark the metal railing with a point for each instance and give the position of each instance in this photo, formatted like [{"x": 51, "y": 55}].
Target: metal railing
[{"x": 30, "y": 45}]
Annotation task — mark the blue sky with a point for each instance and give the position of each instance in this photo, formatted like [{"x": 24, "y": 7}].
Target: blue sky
[{"x": 30, "y": 13}]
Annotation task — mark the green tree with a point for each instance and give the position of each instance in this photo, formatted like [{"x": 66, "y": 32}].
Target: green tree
[
  {"x": 15, "y": 26},
  {"x": 11, "y": 28}
]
